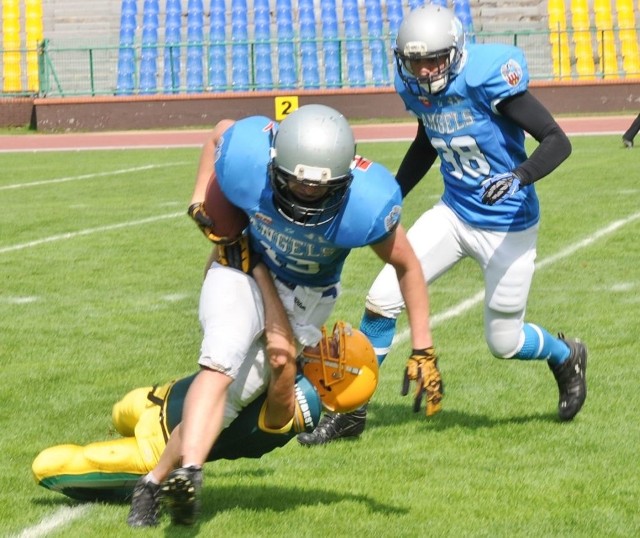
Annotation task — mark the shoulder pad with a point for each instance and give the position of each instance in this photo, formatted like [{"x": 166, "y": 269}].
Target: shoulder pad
[
  {"x": 372, "y": 210},
  {"x": 241, "y": 160},
  {"x": 498, "y": 71}
]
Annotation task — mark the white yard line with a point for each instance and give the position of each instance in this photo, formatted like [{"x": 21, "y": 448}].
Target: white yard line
[
  {"x": 88, "y": 231},
  {"x": 88, "y": 176},
  {"x": 58, "y": 519}
]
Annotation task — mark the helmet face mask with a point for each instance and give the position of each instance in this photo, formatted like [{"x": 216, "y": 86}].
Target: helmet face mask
[
  {"x": 307, "y": 211},
  {"x": 430, "y": 34},
  {"x": 314, "y": 148},
  {"x": 343, "y": 368}
]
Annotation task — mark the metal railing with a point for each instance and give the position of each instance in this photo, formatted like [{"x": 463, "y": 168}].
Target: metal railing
[{"x": 97, "y": 70}]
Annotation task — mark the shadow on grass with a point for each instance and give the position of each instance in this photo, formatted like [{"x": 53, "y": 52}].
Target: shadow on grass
[
  {"x": 283, "y": 499},
  {"x": 265, "y": 498},
  {"x": 384, "y": 415}
]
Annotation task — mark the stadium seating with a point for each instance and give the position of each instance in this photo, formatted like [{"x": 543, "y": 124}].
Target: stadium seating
[
  {"x": 172, "y": 46},
  {"x": 308, "y": 44},
  {"x": 280, "y": 44},
  {"x": 559, "y": 39},
  {"x": 217, "y": 46},
  {"x": 628, "y": 37},
  {"x": 195, "y": 38},
  {"x": 126, "y": 57},
  {"x": 239, "y": 46},
  {"x": 262, "y": 36},
  {"x": 149, "y": 53}
]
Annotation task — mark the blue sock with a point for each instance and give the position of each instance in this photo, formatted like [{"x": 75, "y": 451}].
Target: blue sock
[
  {"x": 539, "y": 344},
  {"x": 380, "y": 332}
]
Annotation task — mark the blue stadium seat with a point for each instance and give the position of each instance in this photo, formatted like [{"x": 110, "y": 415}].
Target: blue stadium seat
[
  {"x": 125, "y": 80},
  {"x": 149, "y": 54},
  {"x": 173, "y": 7},
  {"x": 353, "y": 44},
  {"x": 217, "y": 50},
  {"x": 172, "y": 34},
  {"x": 195, "y": 37},
  {"x": 240, "y": 67},
  {"x": 128, "y": 7},
  {"x": 375, "y": 31},
  {"x": 217, "y": 10},
  {"x": 308, "y": 45},
  {"x": 218, "y": 67},
  {"x": 240, "y": 46},
  {"x": 126, "y": 71},
  {"x": 287, "y": 72},
  {"x": 263, "y": 76},
  {"x": 330, "y": 45},
  {"x": 151, "y": 7},
  {"x": 394, "y": 16}
]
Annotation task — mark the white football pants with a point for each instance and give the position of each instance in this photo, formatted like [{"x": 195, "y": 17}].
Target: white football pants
[
  {"x": 440, "y": 240},
  {"x": 232, "y": 319}
]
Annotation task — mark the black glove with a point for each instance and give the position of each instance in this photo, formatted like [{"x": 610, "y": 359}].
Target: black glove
[
  {"x": 422, "y": 367},
  {"x": 197, "y": 213},
  {"x": 238, "y": 255}
]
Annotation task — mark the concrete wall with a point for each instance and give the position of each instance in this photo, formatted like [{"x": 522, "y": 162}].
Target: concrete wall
[{"x": 204, "y": 110}]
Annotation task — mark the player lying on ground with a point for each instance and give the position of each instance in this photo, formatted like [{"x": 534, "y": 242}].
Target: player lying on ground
[{"x": 145, "y": 417}]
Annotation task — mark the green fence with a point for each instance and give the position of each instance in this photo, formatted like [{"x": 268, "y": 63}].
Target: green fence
[{"x": 94, "y": 71}]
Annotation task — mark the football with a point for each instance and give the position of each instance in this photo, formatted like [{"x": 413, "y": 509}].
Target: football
[{"x": 228, "y": 220}]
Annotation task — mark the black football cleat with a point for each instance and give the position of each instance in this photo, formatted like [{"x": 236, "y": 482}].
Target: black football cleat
[
  {"x": 571, "y": 377},
  {"x": 180, "y": 494},
  {"x": 336, "y": 426},
  {"x": 145, "y": 505}
]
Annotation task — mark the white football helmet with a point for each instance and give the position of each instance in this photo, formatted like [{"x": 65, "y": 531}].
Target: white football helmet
[
  {"x": 313, "y": 146},
  {"x": 343, "y": 368},
  {"x": 429, "y": 32}
]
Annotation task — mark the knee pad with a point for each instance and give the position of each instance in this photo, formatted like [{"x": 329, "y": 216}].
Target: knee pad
[{"x": 504, "y": 337}]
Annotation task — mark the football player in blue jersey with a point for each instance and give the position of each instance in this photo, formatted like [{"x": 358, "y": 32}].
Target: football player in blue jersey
[
  {"x": 473, "y": 109},
  {"x": 310, "y": 200}
]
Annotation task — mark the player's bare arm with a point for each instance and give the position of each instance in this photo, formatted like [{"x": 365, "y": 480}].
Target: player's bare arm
[
  {"x": 397, "y": 251},
  {"x": 281, "y": 353}
]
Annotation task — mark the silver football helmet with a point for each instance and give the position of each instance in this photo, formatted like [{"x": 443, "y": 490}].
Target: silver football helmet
[
  {"x": 314, "y": 147},
  {"x": 429, "y": 32}
]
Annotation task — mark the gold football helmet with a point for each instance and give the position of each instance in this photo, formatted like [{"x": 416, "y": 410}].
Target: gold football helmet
[{"x": 343, "y": 368}]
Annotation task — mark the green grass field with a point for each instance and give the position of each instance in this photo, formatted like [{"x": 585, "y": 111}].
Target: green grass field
[{"x": 101, "y": 270}]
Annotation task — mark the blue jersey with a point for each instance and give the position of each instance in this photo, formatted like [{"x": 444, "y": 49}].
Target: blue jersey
[
  {"x": 474, "y": 141},
  {"x": 311, "y": 256}
]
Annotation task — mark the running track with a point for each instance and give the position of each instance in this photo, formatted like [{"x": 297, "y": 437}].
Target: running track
[{"x": 154, "y": 139}]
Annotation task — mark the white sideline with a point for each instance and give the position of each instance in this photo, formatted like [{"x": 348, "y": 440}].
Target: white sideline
[
  {"x": 60, "y": 518},
  {"x": 66, "y": 514},
  {"x": 88, "y": 231},
  {"x": 88, "y": 176},
  {"x": 467, "y": 304}
]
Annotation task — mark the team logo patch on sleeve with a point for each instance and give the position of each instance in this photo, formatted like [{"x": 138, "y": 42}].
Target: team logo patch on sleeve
[
  {"x": 218, "y": 151},
  {"x": 511, "y": 72},
  {"x": 391, "y": 220},
  {"x": 361, "y": 163}
]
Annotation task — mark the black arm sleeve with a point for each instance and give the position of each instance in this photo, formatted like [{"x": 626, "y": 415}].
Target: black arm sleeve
[
  {"x": 417, "y": 161},
  {"x": 554, "y": 146}
]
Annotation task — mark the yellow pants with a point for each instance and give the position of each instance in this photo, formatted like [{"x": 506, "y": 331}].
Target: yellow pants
[{"x": 82, "y": 471}]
